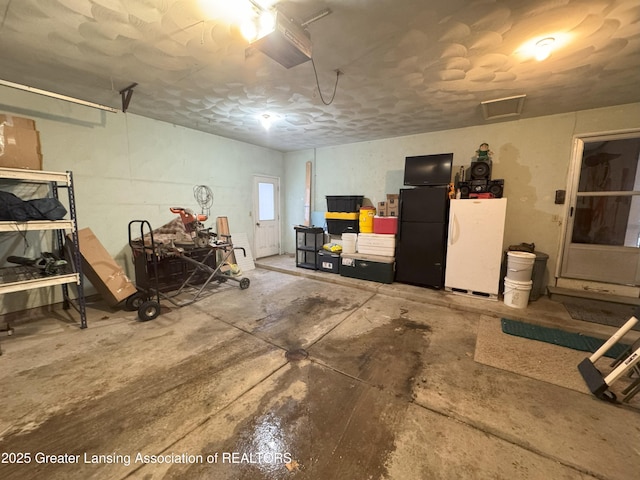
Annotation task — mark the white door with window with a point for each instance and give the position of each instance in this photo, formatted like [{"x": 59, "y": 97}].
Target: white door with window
[
  {"x": 266, "y": 215},
  {"x": 602, "y": 239}
]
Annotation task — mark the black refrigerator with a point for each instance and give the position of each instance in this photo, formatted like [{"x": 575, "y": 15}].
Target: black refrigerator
[{"x": 422, "y": 236}]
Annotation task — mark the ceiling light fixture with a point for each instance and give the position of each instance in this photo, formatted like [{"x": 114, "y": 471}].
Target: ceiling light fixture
[
  {"x": 259, "y": 25},
  {"x": 543, "y": 48},
  {"x": 267, "y": 119}
]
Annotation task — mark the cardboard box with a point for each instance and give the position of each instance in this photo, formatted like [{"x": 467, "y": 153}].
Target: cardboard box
[
  {"x": 382, "y": 209},
  {"x": 102, "y": 271},
  {"x": 20, "y": 122},
  {"x": 20, "y": 148},
  {"x": 393, "y": 203}
]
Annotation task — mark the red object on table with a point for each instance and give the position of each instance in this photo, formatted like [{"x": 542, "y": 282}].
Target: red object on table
[
  {"x": 385, "y": 225},
  {"x": 481, "y": 195}
]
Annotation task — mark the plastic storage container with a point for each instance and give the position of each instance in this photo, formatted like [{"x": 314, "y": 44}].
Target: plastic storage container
[
  {"x": 341, "y": 222},
  {"x": 385, "y": 225},
  {"x": 377, "y": 244},
  {"x": 328, "y": 261},
  {"x": 374, "y": 268},
  {"x": 344, "y": 203},
  {"x": 338, "y": 227},
  {"x": 349, "y": 242}
]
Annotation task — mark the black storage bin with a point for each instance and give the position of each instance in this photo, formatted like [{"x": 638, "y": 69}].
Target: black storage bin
[
  {"x": 338, "y": 227},
  {"x": 329, "y": 261},
  {"x": 374, "y": 268},
  {"x": 344, "y": 203}
]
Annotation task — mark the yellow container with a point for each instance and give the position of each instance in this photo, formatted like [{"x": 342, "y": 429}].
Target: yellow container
[
  {"x": 341, "y": 215},
  {"x": 366, "y": 219}
]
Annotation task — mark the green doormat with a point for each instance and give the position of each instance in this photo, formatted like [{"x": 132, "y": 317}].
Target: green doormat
[{"x": 576, "y": 341}]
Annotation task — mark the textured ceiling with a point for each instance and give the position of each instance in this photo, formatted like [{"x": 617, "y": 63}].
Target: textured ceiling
[{"x": 410, "y": 66}]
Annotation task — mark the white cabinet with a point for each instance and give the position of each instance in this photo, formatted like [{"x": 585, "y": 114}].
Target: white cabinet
[
  {"x": 16, "y": 279},
  {"x": 474, "y": 246}
]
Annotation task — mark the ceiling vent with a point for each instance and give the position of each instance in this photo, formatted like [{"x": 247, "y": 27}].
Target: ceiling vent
[
  {"x": 288, "y": 44},
  {"x": 502, "y": 107}
]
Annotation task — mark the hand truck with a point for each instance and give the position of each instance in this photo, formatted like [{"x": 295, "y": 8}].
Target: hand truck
[
  {"x": 166, "y": 271},
  {"x": 599, "y": 384}
]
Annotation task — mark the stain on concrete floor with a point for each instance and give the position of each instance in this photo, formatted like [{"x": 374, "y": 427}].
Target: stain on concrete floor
[
  {"x": 141, "y": 416},
  {"x": 389, "y": 391},
  {"x": 343, "y": 427}
]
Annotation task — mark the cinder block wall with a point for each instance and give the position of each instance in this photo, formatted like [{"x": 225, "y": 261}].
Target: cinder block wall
[
  {"x": 531, "y": 155},
  {"x": 127, "y": 167}
]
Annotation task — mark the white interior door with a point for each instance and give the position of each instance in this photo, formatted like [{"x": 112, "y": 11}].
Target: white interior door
[
  {"x": 602, "y": 239},
  {"x": 266, "y": 215}
]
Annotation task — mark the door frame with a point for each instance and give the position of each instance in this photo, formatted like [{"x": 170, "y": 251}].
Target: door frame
[
  {"x": 255, "y": 212},
  {"x": 573, "y": 179}
]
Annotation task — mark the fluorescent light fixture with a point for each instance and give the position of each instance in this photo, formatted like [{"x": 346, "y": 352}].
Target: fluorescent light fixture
[{"x": 58, "y": 96}]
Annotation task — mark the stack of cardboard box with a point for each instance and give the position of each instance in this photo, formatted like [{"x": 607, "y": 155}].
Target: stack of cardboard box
[
  {"x": 19, "y": 143},
  {"x": 390, "y": 207}
]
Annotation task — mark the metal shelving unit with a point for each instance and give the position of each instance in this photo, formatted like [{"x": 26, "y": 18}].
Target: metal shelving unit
[{"x": 19, "y": 278}]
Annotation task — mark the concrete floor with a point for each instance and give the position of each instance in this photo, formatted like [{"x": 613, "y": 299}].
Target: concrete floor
[{"x": 218, "y": 390}]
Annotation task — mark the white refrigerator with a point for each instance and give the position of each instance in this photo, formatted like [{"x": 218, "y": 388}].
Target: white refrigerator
[{"x": 474, "y": 246}]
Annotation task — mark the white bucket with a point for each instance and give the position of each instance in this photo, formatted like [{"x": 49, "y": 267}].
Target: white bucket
[
  {"x": 520, "y": 266},
  {"x": 516, "y": 294},
  {"x": 349, "y": 242}
]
